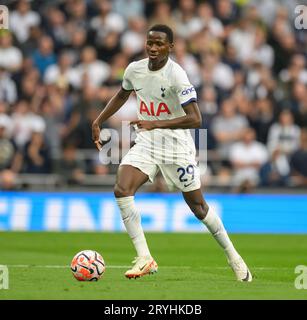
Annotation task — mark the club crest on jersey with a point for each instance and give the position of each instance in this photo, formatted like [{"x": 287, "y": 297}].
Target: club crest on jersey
[
  {"x": 162, "y": 108},
  {"x": 163, "y": 92}
]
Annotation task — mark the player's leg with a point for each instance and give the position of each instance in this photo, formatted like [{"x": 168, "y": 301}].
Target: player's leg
[
  {"x": 200, "y": 208},
  {"x": 128, "y": 181}
]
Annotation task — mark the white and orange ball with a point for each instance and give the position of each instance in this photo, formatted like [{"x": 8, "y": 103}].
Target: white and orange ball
[{"x": 87, "y": 265}]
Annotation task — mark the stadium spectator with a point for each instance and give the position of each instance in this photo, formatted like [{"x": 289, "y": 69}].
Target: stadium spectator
[
  {"x": 284, "y": 135},
  {"x": 62, "y": 102},
  {"x": 262, "y": 52},
  {"x": 29, "y": 83},
  {"x": 4, "y": 108},
  {"x": 297, "y": 97},
  {"x": 228, "y": 13},
  {"x": 22, "y": 19},
  {"x": 262, "y": 117},
  {"x": 299, "y": 160},
  {"x": 301, "y": 114},
  {"x": 276, "y": 171},
  {"x": 57, "y": 29},
  {"x": 8, "y": 180},
  {"x": 187, "y": 61},
  {"x": 129, "y": 8},
  {"x": 60, "y": 73},
  {"x": 208, "y": 107},
  {"x": 220, "y": 73},
  {"x": 8, "y": 91},
  {"x": 77, "y": 15},
  {"x": 132, "y": 41},
  {"x": 29, "y": 46},
  {"x": 110, "y": 48},
  {"x": 210, "y": 22},
  {"x": 90, "y": 70},
  {"x": 70, "y": 168},
  {"x": 7, "y": 146},
  {"x": 114, "y": 80},
  {"x": 242, "y": 103},
  {"x": 282, "y": 40},
  {"x": 107, "y": 21},
  {"x": 230, "y": 58},
  {"x": 78, "y": 125},
  {"x": 36, "y": 155},
  {"x": 9, "y": 155},
  {"x": 186, "y": 20},
  {"x": 208, "y": 102},
  {"x": 117, "y": 64},
  {"x": 247, "y": 156},
  {"x": 243, "y": 33},
  {"x": 10, "y": 56},
  {"x": 260, "y": 81},
  {"x": 283, "y": 140},
  {"x": 296, "y": 71},
  {"x": 53, "y": 119},
  {"x": 84, "y": 129},
  {"x": 228, "y": 128},
  {"x": 162, "y": 14},
  {"x": 24, "y": 121},
  {"x": 44, "y": 56},
  {"x": 267, "y": 8},
  {"x": 78, "y": 41}
]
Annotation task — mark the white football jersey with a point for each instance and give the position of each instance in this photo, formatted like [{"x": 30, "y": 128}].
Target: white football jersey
[{"x": 161, "y": 95}]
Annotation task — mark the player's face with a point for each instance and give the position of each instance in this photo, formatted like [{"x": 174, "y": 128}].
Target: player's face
[{"x": 157, "y": 47}]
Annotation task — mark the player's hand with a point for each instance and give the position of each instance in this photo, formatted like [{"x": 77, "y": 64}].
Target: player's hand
[
  {"x": 95, "y": 135},
  {"x": 144, "y": 124}
]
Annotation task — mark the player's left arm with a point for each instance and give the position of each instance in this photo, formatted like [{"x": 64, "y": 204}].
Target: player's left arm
[{"x": 191, "y": 120}]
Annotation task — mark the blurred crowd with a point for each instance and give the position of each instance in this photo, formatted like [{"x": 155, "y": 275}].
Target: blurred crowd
[{"x": 61, "y": 62}]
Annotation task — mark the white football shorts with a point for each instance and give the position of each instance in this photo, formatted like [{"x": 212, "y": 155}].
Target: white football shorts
[{"x": 180, "y": 171}]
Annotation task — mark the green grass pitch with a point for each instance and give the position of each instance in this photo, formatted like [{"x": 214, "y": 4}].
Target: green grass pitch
[{"x": 191, "y": 266}]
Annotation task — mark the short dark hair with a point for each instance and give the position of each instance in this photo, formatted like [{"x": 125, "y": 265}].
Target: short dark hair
[{"x": 165, "y": 29}]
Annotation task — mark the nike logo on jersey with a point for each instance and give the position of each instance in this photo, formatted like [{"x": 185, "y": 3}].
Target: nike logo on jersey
[
  {"x": 138, "y": 89},
  {"x": 187, "y": 184}
]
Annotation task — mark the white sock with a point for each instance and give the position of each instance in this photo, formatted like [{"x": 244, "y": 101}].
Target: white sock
[
  {"x": 216, "y": 227},
  {"x": 132, "y": 221}
]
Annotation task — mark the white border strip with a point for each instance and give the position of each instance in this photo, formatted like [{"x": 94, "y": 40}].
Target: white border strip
[{"x": 124, "y": 267}]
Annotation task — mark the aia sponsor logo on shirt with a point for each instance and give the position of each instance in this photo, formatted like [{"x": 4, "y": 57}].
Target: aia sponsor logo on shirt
[{"x": 153, "y": 110}]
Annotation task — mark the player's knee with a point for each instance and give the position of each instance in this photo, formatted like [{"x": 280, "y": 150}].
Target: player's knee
[{"x": 121, "y": 191}]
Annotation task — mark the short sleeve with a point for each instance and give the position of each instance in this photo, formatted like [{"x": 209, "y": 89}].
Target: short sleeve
[
  {"x": 127, "y": 78},
  {"x": 184, "y": 89}
]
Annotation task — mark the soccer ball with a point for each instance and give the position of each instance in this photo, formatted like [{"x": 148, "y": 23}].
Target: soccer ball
[{"x": 87, "y": 265}]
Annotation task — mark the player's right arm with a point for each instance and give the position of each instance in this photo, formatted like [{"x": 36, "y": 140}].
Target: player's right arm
[{"x": 116, "y": 102}]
